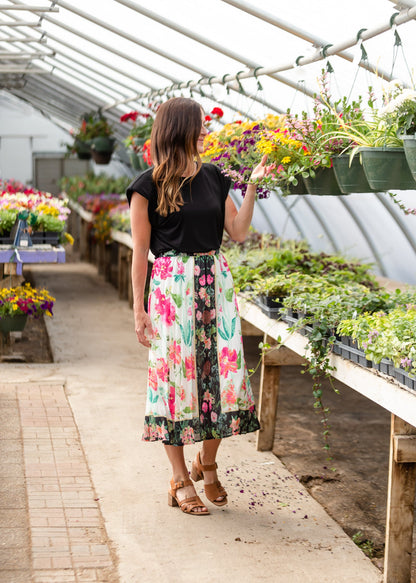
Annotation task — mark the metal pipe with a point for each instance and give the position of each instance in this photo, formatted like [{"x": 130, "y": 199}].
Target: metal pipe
[
  {"x": 317, "y": 56},
  {"x": 300, "y": 33},
  {"x": 29, "y": 8}
]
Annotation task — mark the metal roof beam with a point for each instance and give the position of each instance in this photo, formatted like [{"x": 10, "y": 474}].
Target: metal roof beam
[
  {"x": 208, "y": 43},
  {"x": 399, "y": 19},
  {"x": 134, "y": 39},
  {"x": 300, "y": 33},
  {"x": 29, "y": 8},
  {"x": 21, "y": 23}
]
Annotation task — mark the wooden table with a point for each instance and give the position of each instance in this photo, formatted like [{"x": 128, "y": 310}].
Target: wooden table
[
  {"x": 34, "y": 254},
  {"x": 381, "y": 389}
]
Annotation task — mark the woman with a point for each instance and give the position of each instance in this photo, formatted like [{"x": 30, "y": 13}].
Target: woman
[{"x": 198, "y": 389}]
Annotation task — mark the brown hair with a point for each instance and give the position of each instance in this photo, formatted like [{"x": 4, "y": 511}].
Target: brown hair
[{"x": 174, "y": 137}]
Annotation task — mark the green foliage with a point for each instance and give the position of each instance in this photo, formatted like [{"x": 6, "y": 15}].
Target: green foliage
[
  {"x": 7, "y": 220},
  {"x": 75, "y": 186}
]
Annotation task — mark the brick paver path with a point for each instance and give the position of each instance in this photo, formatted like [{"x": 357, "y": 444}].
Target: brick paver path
[{"x": 51, "y": 527}]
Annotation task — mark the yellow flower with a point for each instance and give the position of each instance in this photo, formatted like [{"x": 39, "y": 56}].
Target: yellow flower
[{"x": 286, "y": 160}]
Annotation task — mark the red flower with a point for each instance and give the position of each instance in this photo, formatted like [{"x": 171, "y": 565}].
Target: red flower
[
  {"x": 146, "y": 153},
  {"x": 131, "y": 115},
  {"x": 217, "y": 111},
  {"x": 208, "y": 118}
]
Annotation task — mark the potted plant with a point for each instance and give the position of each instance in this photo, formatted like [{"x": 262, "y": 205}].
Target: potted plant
[
  {"x": 94, "y": 133},
  {"x": 139, "y": 135},
  {"x": 400, "y": 112},
  {"x": 380, "y": 149},
  {"x": 19, "y": 303},
  {"x": 233, "y": 149}
]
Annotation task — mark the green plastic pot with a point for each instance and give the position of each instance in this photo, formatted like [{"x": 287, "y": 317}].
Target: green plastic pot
[
  {"x": 137, "y": 162},
  {"x": 387, "y": 169},
  {"x": 12, "y": 323},
  {"x": 300, "y": 188},
  {"x": 83, "y": 150},
  {"x": 350, "y": 178},
  {"x": 324, "y": 183},
  {"x": 409, "y": 144},
  {"x": 102, "y": 144}
]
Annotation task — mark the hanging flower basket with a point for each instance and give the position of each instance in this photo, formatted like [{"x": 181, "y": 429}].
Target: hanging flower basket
[
  {"x": 409, "y": 144},
  {"x": 387, "y": 169},
  {"x": 14, "y": 323},
  {"x": 324, "y": 182},
  {"x": 102, "y": 149},
  {"x": 350, "y": 178},
  {"x": 83, "y": 150},
  {"x": 300, "y": 187}
]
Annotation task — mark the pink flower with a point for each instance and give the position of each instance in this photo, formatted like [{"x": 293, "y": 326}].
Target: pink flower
[
  {"x": 197, "y": 270},
  {"x": 230, "y": 395},
  {"x": 163, "y": 267},
  {"x": 198, "y": 315},
  {"x": 181, "y": 268},
  {"x": 210, "y": 279},
  {"x": 171, "y": 401},
  {"x": 162, "y": 369},
  {"x": 165, "y": 308},
  {"x": 204, "y": 407},
  {"x": 189, "y": 367},
  {"x": 202, "y": 280},
  {"x": 187, "y": 436},
  {"x": 235, "y": 426},
  {"x": 228, "y": 361},
  {"x": 152, "y": 379},
  {"x": 175, "y": 352},
  {"x": 214, "y": 416}
]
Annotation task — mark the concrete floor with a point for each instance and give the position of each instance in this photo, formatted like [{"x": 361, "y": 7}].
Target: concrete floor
[{"x": 271, "y": 530}]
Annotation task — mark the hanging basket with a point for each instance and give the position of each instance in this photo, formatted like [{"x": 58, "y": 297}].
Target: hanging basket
[
  {"x": 324, "y": 183},
  {"x": 387, "y": 169},
  {"x": 83, "y": 150},
  {"x": 102, "y": 149},
  {"x": 409, "y": 144},
  {"x": 290, "y": 188},
  {"x": 137, "y": 161},
  {"x": 350, "y": 178},
  {"x": 12, "y": 324}
]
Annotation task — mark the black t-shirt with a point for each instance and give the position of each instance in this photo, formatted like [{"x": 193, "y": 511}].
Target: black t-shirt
[{"x": 199, "y": 224}]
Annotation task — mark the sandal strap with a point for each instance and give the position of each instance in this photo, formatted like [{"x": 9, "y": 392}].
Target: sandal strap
[
  {"x": 208, "y": 468},
  {"x": 214, "y": 490},
  {"x": 190, "y": 503},
  {"x": 178, "y": 485}
]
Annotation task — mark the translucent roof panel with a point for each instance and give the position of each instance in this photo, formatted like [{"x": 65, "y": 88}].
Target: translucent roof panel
[{"x": 250, "y": 58}]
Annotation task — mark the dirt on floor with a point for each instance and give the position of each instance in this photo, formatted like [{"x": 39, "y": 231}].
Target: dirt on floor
[{"x": 350, "y": 482}]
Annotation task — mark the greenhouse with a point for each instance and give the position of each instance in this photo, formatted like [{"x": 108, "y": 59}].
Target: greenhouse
[{"x": 207, "y": 223}]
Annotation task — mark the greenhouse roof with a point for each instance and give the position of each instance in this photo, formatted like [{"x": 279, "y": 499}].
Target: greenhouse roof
[
  {"x": 117, "y": 55},
  {"x": 68, "y": 58}
]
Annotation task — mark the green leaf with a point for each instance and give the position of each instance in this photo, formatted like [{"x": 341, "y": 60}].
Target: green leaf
[
  {"x": 229, "y": 294},
  {"x": 177, "y": 299}
]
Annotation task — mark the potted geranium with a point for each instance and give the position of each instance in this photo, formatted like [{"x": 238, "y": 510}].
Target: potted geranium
[
  {"x": 19, "y": 303},
  {"x": 142, "y": 123},
  {"x": 96, "y": 134}
]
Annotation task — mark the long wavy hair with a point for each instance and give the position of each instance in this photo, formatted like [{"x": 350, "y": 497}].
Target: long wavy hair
[{"x": 174, "y": 137}]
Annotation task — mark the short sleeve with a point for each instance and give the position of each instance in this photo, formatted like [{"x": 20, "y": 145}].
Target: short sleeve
[
  {"x": 142, "y": 184},
  {"x": 225, "y": 181}
]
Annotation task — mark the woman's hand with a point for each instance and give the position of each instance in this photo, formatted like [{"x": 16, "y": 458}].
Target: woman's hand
[
  {"x": 261, "y": 170},
  {"x": 143, "y": 327}
]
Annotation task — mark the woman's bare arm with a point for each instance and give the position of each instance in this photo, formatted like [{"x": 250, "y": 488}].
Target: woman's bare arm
[{"x": 140, "y": 231}]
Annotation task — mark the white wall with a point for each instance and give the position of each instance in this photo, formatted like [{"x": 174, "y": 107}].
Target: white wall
[{"x": 23, "y": 131}]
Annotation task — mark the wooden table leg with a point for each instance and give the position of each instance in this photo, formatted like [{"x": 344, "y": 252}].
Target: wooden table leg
[
  {"x": 269, "y": 389},
  {"x": 400, "y": 502}
]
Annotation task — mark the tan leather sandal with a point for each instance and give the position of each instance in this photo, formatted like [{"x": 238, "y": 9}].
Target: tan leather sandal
[
  {"x": 212, "y": 491},
  {"x": 188, "y": 504}
]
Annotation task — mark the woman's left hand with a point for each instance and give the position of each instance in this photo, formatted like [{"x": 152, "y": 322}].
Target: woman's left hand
[{"x": 261, "y": 170}]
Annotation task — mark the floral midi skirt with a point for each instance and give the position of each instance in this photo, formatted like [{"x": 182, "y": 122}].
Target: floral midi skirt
[{"x": 198, "y": 387}]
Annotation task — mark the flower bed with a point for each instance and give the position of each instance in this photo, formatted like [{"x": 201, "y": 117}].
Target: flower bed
[{"x": 43, "y": 213}]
